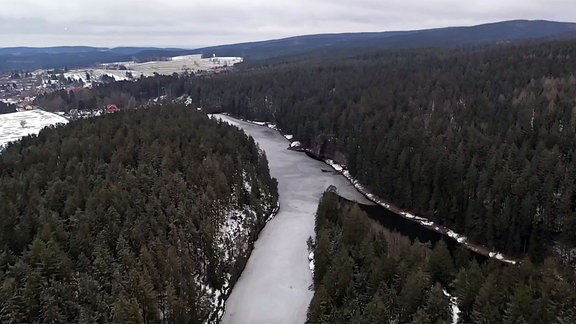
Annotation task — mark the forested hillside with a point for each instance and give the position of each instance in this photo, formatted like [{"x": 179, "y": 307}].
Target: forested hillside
[
  {"x": 33, "y": 58},
  {"x": 125, "y": 95},
  {"x": 142, "y": 216},
  {"x": 366, "y": 274},
  {"x": 481, "y": 141},
  {"x": 326, "y": 45}
]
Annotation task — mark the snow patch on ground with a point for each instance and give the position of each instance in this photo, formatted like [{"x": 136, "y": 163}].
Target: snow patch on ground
[
  {"x": 456, "y": 236},
  {"x": 132, "y": 70},
  {"x": 419, "y": 219},
  {"x": 427, "y": 223},
  {"x": 311, "y": 260},
  {"x": 501, "y": 257},
  {"x": 335, "y": 166},
  {"x": 262, "y": 123},
  {"x": 212, "y": 296},
  {"x": 295, "y": 144},
  {"x": 246, "y": 181},
  {"x": 16, "y": 125},
  {"x": 453, "y": 306}
]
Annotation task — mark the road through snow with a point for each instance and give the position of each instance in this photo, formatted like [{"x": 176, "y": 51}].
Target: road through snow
[{"x": 274, "y": 287}]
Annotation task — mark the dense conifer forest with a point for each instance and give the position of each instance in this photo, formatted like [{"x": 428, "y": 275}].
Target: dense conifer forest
[
  {"x": 366, "y": 274},
  {"x": 480, "y": 139},
  {"x": 124, "y": 94},
  {"x": 145, "y": 216}
]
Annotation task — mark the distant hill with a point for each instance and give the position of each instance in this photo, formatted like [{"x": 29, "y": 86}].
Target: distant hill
[
  {"x": 516, "y": 30},
  {"x": 48, "y": 50},
  {"x": 31, "y": 58},
  {"x": 294, "y": 45}
]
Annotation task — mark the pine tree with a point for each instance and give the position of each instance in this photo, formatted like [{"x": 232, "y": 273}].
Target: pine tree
[
  {"x": 466, "y": 285},
  {"x": 413, "y": 292},
  {"x": 440, "y": 265},
  {"x": 487, "y": 306},
  {"x": 320, "y": 306},
  {"x": 321, "y": 256},
  {"x": 437, "y": 305}
]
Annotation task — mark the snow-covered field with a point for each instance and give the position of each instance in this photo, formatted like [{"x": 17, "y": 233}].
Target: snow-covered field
[
  {"x": 16, "y": 125},
  {"x": 178, "y": 64},
  {"x": 274, "y": 287}
]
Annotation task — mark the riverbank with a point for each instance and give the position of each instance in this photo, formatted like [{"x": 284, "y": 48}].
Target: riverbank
[
  {"x": 235, "y": 226},
  {"x": 422, "y": 221},
  {"x": 275, "y": 284}
]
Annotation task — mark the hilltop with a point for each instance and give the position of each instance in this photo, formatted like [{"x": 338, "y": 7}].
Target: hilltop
[{"x": 31, "y": 58}]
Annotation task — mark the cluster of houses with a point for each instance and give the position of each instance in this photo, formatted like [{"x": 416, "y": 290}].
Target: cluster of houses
[
  {"x": 15, "y": 87},
  {"x": 78, "y": 114}
]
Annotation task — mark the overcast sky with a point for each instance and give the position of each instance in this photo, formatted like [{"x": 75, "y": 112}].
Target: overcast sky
[{"x": 193, "y": 23}]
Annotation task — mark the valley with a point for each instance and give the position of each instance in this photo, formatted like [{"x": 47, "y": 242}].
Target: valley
[
  {"x": 421, "y": 176},
  {"x": 274, "y": 286}
]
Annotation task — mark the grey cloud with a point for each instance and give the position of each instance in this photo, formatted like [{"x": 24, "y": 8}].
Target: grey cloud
[{"x": 195, "y": 23}]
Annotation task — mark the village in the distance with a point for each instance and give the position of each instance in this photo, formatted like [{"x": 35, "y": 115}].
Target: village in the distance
[{"x": 19, "y": 89}]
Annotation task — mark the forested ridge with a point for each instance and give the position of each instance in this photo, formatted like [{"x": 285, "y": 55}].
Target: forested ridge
[
  {"x": 479, "y": 140},
  {"x": 140, "y": 216},
  {"x": 366, "y": 274},
  {"x": 126, "y": 95}
]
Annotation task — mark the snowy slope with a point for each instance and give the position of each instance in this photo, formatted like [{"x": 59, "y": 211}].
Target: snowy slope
[
  {"x": 178, "y": 64},
  {"x": 16, "y": 125}
]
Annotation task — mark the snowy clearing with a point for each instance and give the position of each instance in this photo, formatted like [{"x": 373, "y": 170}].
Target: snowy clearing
[
  {"x": 295, "y": 144},
  {"x": 16, "y": 125},
  {"x": 178, "y": 64}
]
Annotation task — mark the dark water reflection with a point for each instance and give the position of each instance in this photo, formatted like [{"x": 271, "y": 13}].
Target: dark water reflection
[{"x": 396, "y": 223}]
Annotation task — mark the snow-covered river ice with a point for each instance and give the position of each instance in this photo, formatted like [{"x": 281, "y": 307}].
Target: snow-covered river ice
[{"x": 275, "y": 285}]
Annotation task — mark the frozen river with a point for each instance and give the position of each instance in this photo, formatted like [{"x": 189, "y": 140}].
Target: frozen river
[{"x": 274, "y": 287}]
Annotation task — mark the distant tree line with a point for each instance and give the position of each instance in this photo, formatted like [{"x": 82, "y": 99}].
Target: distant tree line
[
  {"x": 127, "y": 218},
  {"x": 366, "y": 274},
  {"x": 126, "y": 95},
  {"x": 6, "y": 108}
]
